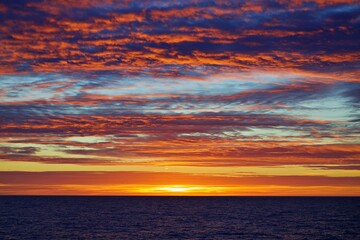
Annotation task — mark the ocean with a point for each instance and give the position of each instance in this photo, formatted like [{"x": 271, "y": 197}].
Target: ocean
[{"x": 66, "y": 217}]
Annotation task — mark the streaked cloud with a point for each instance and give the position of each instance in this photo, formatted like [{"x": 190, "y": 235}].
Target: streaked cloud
[{"x": 204, "y": 85}]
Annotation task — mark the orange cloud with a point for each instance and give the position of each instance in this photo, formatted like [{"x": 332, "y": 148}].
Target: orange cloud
[{"x": 125, "y": 183}]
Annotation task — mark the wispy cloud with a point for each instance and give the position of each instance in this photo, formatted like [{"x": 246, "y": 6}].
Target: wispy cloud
[{"x": 193, "y": 84}]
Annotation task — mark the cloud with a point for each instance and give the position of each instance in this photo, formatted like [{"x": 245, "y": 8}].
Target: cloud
[
  {"x": 17, "y": 151},
  {"x": 216, "y": 84},
  {"x": 345, "y": 167},
  {"x": 94, "y": 36},
  {"x": 112, "y": 178},
  {"x": 148, "y": 123}
]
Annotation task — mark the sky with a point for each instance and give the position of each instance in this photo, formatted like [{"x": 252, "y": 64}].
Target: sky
[{"x": 190, "y": 97}]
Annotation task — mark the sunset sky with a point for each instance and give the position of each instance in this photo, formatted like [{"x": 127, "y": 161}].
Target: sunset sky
[{"x": 190, "y": 97}]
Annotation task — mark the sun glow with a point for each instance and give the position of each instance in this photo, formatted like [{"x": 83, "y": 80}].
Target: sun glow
[
  {"x": 181, "y": 190},
  {"x": 177, "y": 189},
  {"x": 174, "y": 190}
]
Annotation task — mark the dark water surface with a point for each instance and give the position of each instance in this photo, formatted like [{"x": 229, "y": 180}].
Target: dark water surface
[{"x": 179, "y": 218}]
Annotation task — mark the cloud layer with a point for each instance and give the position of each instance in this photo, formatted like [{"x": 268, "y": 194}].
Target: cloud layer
[{"x": 207, "y": 85}]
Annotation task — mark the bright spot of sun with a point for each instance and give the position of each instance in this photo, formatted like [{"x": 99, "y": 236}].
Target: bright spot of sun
[
  {"x": 176, "y": 189},
  {"x": 180, "y": 190}
]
